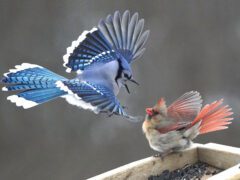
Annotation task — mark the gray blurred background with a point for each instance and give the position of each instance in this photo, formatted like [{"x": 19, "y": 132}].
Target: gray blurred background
[{"x": 193, "y": 45}]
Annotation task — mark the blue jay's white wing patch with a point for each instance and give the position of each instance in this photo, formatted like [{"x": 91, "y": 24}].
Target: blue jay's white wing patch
[
  {"x": 89, "y": 49},
  {"x": 125, "y": 34},
  {"x": 91, "y": 96},
  {"x": 73, "y": 98}
]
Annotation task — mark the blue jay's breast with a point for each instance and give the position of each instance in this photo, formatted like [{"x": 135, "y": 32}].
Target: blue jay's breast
[{"x": 103, "y": 74}]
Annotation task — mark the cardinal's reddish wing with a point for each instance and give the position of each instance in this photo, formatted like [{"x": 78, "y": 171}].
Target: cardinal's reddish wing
[{"x": 185, "y": 108}]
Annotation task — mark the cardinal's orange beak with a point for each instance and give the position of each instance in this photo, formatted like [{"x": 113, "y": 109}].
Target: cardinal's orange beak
[{"x": 149, "y": 111}]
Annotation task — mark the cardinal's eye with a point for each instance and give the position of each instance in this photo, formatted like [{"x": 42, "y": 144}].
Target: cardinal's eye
[{"x": 155, "y": 112}]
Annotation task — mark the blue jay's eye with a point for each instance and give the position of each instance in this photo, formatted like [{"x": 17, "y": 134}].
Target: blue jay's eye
[
  {"x": 127, "y": 76},
  {"x": 155, "y": 112}
]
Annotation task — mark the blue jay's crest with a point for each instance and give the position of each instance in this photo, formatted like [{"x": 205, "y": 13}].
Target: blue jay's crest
[
  {"x": 95, "y": 97},
  {"x": 113, "y": 38}
]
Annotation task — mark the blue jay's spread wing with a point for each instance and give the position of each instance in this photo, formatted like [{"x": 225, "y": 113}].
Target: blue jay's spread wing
[
  {"x": 89, "y": 49},
  {"x": 114, "y": 37},
  {"x": 91, "y": 96},
  {"x": 125, "y": 34}
]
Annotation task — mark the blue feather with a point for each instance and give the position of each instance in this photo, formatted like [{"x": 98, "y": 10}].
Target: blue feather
[
  {"x": 38, "y": 85},
  {"x": 31, "y": 78},
  {"x": 41, "y": 95},
  {"x": 97, "y": 95},
  {"x": 93, "y": 49}
]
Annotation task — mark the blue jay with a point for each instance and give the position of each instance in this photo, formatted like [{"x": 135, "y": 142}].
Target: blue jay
[{"x": 101, "y": 58}]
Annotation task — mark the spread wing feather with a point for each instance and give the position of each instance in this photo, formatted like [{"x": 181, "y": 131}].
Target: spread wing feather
[
  {"x": 115, "y": 36},
  {"x": 185, "y": 108}
]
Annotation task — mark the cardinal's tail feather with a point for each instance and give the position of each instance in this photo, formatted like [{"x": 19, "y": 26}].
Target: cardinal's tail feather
[{"x": 213, "y": 117}]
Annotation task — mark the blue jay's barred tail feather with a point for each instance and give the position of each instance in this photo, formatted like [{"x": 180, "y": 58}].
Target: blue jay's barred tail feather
[
  {"x": 125, "y": 34},
  {"x": 36, "y": 83}
]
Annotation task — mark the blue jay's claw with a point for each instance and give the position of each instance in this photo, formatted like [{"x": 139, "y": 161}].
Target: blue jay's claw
[
  {"x": 134, "y": 81},
  {"x": 110, "y": 114},
  {"x": 134, "y": 118}
]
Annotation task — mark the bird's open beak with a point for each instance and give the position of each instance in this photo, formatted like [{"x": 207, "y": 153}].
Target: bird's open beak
[
  {"x": 126, "y": 86},
  {"x": 149, "y": 111},
  {"x": 134, "y": 81}
]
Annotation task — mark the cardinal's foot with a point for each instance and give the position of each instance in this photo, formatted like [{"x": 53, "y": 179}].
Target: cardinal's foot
[{"x": 159, "y": 155}]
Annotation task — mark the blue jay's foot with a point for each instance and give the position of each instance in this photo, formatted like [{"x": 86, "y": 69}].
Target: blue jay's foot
[
  {"x": 110, "y": 114},
  {"x": 124, "y": 107},
  {"x": 135, "y": 119}
]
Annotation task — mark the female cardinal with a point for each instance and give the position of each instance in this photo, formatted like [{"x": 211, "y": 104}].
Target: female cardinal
[{"x": 170, "y": 129}]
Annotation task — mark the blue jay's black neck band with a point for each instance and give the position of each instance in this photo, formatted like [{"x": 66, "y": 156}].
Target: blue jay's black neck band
[{"x": 119, "y": 72}]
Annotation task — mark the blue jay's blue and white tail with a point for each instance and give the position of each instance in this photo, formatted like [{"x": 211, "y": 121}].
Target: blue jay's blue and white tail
[{"x": 36, "y": 83}]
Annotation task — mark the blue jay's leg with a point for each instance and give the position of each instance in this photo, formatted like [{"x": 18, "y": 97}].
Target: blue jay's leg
[
  {"x": 110, "y": 114},
  {"x": 124, "y": 107},
  {"x": 36, "y": 83}
]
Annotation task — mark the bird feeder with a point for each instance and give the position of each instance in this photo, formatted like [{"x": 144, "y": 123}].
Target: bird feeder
[{"x": 225, "y": 161}]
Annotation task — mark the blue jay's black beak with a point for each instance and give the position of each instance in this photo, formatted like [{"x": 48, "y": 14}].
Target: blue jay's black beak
[
  {"x": 134, "y": 81},
  {"x": 127, "y": 88}
]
